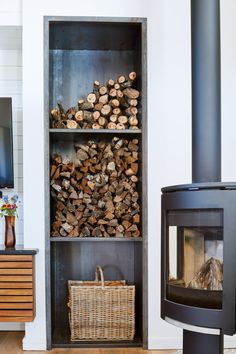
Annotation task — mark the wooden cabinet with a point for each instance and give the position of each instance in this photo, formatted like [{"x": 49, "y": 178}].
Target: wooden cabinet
[
  {"x": 79, "y": 51},
  {"x": 17, "y": 299}
]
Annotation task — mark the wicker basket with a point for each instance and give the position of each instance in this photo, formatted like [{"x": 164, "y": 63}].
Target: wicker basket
[{"x": 101, "y": 310}]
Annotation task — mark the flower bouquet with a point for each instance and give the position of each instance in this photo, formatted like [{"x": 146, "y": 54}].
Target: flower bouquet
[
  {"x": 9, "y": 206},
  {"x": 8, "y": 209}
]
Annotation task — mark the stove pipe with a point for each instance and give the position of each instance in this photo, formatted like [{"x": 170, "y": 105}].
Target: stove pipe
[{"x": 206, "y": 92}]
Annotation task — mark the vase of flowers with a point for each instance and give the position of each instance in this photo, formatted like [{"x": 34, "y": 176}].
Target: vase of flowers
[{"x": 8, "y": 209}]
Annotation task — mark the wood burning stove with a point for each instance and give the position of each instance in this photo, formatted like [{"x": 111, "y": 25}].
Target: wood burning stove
[
  {"x": 199, "y": 219},
  {"x": 198, "y": 257}
]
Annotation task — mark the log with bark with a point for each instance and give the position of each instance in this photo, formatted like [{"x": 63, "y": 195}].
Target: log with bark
[
  {"x": 209, "y": 277},
  {"x": 96, "y": 194},
  {"x": 115, "y": 97}
]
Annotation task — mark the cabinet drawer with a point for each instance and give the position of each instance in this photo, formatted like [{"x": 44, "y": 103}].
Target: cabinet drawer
[{"x": 16, "y": 288}]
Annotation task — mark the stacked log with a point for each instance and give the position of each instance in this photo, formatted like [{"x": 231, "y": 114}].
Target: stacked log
[
  {"x": 110, "y": 106},
  {"x": 96, "y": 194},
  {"x": 209, "y": 277}
]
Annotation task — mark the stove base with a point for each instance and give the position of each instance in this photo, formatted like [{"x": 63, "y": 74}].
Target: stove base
[{"x": 201, "y": 343}]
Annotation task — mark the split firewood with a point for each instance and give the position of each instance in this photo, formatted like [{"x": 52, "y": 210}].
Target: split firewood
[
  {"x": 71, "y": 124},
  {"x": 110, "y": 83},
  {"x": 86, "y": 105},
  {"x": 117, "y": 111},
  {"x": 114, "y": 103},
  {"x": 122, "y": 119},
  {"x": 103, "y": 90},
  {"x": 96, "y": 84},
  {"x": 134, "y": 179},
  {"x": 106, "y": 109},
  {"x": 112, "y": 92},
  {"x": 131, "y": 93},
  {"x": 133, "y": 121},
  {"x": 96, "y": 115},
  {"x": 74, "y": 232},
  {"x": 114, "y": 98},
  {"x": 55, "y": 113},
  {"x": 123, "y": 103},
  {"x": 102, "y": 121},
  {"x": 79, "y": 116},
  {"x": 61, "y": 108},
  {"x": 126, "y": 84},
  {"x": 132, "y": 102},
  {"x": 103, "y": 99},
  {"x": 113, "y": 118},
  {"x": 120, "y": 126},
  {"x": 98, "y": 106},
  {"x": 96, "y": 194},
  {"x": 121, "y": 79},
  {"x": 80, "y": 102},
  {"x": 117, "y": 86},
  {"x": 119, "y": 94},
  {"x": 136, "y": 219},
  {"x": 88, "y": 116},
  {"x": 57, "y": 159},
  {"x": 111, "y": 125},
  {"x": 53, "y": 170},
  {"x": 131, "y": 111},
  {"x": 91, "y": 97},
  {"x": 132, "y": 75},
  {"x": 96, "y": 126}
]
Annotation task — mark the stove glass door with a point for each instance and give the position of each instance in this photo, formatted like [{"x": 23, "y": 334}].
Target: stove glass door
[{"x": 195, "y": 257}]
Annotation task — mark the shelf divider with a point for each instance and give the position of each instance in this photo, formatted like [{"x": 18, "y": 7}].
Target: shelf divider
[
  {"x": 96, "y": 131},
  {"x": 96, "y": 239}
]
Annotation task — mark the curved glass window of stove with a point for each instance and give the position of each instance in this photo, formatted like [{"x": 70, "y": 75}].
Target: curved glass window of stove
[{"x": 195, "y": 257}]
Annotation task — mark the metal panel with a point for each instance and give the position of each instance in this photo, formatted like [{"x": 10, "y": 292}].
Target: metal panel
[
  {"x": 90, "y": 35},
  {"x": 74, "y": 72},
  {"x": 206, "y": 92}
]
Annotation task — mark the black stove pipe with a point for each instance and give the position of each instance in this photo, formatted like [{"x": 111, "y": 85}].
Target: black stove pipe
[
  {"x": 206, "y": 126},
  {"x": 206, "y": 91}
]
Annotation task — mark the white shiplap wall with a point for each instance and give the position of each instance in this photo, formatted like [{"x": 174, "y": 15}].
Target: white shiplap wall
[{"x": 11, "y": 86}]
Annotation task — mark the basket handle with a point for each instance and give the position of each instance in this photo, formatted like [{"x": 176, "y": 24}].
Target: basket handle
[{"x": 98, "y": 273}]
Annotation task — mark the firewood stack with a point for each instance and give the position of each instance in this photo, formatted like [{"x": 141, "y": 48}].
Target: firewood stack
[
  {"x": 109, "y": 106},
  {"x": 96, "y": 194}
]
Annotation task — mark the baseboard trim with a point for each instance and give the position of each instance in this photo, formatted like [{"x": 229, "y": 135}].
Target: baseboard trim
[
  {"x": 33, "y": 345},
  {"x": 165, "y": 343},
  {"x": 176, "y": 343}
]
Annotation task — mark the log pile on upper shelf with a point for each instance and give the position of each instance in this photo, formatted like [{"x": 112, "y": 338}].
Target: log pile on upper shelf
[
  {"x": 96, "y": 194},
  {"x": 110, "y": 106}
]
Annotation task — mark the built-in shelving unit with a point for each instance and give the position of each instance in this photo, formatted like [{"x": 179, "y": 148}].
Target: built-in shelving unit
[{"x": 78, "y": 51}]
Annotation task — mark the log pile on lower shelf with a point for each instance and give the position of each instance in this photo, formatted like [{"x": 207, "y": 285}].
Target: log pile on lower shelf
[
  {"x": 96, "y": 194},
  {"x": 109, "y": 106}
]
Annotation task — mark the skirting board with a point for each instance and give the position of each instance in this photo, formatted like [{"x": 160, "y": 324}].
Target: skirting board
[
  {"x": 33, "y": 344},
  {"x": 176, "y": 343},
  {"x": 12, "y": 326}
]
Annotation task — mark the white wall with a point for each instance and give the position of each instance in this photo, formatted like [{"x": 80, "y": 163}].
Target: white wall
[
  {"x": 169, "y": 120},
  {"x": 10, "y": 13},
  {"x": 11, "y": 86}
]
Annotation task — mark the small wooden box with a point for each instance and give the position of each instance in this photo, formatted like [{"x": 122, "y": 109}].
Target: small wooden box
[{"x": 17, "y": 288}]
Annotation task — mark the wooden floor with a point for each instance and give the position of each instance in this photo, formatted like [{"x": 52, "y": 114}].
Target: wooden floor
[{"x": 11, "y": 343}]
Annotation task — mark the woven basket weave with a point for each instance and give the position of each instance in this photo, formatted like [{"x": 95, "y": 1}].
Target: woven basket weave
[{"x": 101, "y": 310}]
